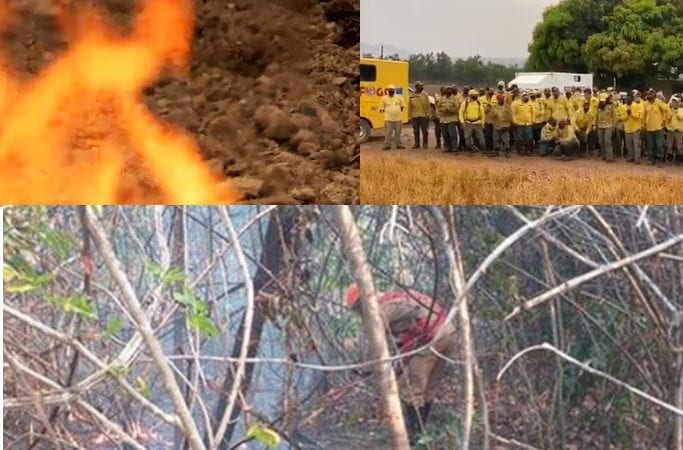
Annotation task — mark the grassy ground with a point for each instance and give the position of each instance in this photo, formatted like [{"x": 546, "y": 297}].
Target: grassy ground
[{"x": 391, "y": 178}]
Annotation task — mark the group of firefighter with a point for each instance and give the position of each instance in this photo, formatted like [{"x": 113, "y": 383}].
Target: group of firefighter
[{"x": 549, "y": 122}]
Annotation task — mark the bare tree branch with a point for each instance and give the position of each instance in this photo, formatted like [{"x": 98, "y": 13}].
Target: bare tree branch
[
  {"x": 587, "y": 368},
  {"x": 577, "y": 281}
]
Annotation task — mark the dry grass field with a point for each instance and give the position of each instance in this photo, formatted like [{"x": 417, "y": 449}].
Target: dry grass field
[{"x": 419, "y": 177}]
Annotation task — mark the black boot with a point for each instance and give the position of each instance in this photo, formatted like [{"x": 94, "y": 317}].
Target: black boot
[
  {"x": 424, "y": 413},
  {"x": 412, "y": 420}
]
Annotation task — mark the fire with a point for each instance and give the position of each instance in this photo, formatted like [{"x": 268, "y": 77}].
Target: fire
[{"x": 79, "y": 132}]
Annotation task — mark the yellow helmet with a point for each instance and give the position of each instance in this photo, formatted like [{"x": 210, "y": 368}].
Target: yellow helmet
[{"x": 473, "y": 92}]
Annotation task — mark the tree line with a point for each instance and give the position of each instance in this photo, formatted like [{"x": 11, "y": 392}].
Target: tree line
[{"x": 441, "y": 68}]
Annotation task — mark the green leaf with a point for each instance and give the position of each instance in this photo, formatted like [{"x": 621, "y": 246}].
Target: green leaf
[
  {"x": 113, "y": 327},
  {"x": 185, "y": 297},
  {"x": 20, "y": 288},
  {"x": 142, "y": 387},
  {"x": 77, "y": 304},
  {"x": 264, "y": 435},
  {"x": 8, "y": 272},
  {"x": 153, "y": 269},
  {"x": 23, "y": 282},
  {"x": 117, "y": 370},
  {"x": 204, "y": 325},
  {"x": 173, "y": 275},
  {"x": 60, "y": 242}
]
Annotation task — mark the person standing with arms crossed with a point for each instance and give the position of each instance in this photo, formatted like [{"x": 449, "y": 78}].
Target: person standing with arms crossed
[{"x": 392, "y": 107}]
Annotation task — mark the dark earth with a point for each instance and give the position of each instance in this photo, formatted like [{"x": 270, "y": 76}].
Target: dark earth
[{"x": 271, "y": 96}]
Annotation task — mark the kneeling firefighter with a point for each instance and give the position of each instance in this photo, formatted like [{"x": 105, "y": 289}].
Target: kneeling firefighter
[{"x": 413, "y": 319}]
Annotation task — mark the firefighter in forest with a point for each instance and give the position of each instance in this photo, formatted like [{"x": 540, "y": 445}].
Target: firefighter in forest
[{"x": 413, "y": 319}]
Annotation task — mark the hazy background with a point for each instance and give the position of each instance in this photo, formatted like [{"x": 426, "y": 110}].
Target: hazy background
[{"x": 498, "y": 30}]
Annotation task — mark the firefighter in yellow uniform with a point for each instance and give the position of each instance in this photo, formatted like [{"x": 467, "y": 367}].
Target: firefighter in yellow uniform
[
  {"x": 548, "y": 138},
  {"x": 674, "y": 130},
  {"x": 502, "y": 113},
  {"x": 633, "y": 124},
  {"x": 419, "y": 115},
  {"x": 392, "y": 106},
  {"x": 583, "y": 122},
  {"x": 577, "y": 100},
  {"x": 566, "y": 140},
  {"x": 448, "y": 107},
  {"x": 461, "y": 96},
  {"x": 558, "y": 105},
  {"x": 606, "y": 122},
  {"x": 523, "y": 118},
  {"x": 656, "y": 115},
  {"x": 472, "y": 117},
  {"x": 547, "y": 100},
  {"x": 489, "y": 120},
  {"x": 538, "y": 105},
  {"x": 414, "y": 319}
]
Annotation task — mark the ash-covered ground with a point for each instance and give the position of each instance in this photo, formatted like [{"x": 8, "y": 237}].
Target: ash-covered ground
[{"x": 271, "y": 95}]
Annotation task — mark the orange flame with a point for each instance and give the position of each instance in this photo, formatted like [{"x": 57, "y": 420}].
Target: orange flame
[{"x": 80, "y": 132}]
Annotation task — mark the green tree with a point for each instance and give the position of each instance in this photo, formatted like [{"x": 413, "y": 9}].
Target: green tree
[
  {"x": 643, "y": 38},
  {"x": 559, "y": 39},
  {"x": 632, "y": 39}
]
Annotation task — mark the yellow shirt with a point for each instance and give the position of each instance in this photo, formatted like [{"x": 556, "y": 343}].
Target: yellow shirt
[
  {"x": 634, "y": 121},
  {"x": 472, "y": 112},
  {"x": 419, "y": 105},
  {"x": 522, "y": 113},
  {"x": 548, "y": 132},
  {"x": 607, "y": 117},
  {"x": 577, "y": 102},
  {"x": 488, "y": 109},
  {"x": 675, "y": 122},
  {"x": 546, "y": 104},
  {"x": 539, "y": 110},
  {"x": 655, "y": 115},
  {"x": 565, "y": 135},
  {"x": 558, "y": 108},
  {"x": 584, "y": 121},
  {"x": 392, "y": 107}
]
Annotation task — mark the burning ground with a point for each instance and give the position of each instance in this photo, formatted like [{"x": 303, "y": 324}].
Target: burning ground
[{"x": 255, "y": 100}]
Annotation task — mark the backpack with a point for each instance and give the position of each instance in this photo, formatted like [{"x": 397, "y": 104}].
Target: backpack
[{"x": 467, "y": 102}]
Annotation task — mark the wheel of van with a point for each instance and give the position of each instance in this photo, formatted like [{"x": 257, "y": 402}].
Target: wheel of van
[{"x": 365, "y": 130}]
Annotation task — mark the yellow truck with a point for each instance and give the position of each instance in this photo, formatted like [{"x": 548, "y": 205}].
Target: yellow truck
[{"x": 375, "y": 76}]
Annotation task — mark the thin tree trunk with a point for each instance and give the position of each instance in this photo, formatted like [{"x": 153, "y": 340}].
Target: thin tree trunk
[
  {"x": 374, "y": 326},
  {"x": 678, "y": 402},
  {"x": 555, "y": 306},
  {"x": 278, "y": 238},
  {"x": 458, "y": 281},
  {"x": 179, "y": 337}
]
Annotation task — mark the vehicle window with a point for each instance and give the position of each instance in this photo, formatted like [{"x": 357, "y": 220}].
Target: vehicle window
[{"x": 368, "y": 72}]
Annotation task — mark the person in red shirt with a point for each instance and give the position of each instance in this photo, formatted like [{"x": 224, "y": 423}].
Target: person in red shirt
[{"x": 413, "y": 319}]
